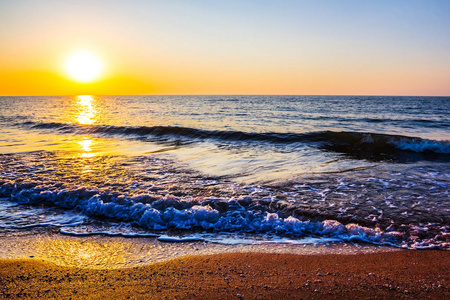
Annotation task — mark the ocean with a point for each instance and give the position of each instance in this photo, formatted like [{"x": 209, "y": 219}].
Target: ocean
[{"x": 228, "y": 169}]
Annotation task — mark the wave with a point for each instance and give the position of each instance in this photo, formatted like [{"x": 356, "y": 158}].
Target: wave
[
  {"x": 242, "y": 214},
  {"x": 360, "y": 145},
  {"x": 379, "y": 147}
]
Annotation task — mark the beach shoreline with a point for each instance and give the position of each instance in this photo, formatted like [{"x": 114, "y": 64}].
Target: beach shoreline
[
  {"x": 245, "y": 272},
  {"x": 402, "y": 274},
  {"x": 100, "y": 251},
  {"x": 218, "y": 197}
]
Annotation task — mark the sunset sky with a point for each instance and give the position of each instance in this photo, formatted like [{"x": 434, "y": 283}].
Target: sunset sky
[{"x": 227, "y": 47}]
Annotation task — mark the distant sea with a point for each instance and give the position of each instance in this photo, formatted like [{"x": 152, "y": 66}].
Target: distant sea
[{"x": 229, "y": 169}]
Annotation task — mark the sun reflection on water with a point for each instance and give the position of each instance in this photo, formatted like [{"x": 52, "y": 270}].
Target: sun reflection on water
[
  {"x": 86, "y": 111},
  {"x": 86, "y": 145},
  {"x": 93, "y": 255},
  {"x": 86, "y": 149},
  {"x": 86, "y": 114}
]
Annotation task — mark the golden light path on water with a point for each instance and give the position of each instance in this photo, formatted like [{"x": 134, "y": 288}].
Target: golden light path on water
[
  {"x": 87, "y": 112},
  {"x": 86, "y": 149}
]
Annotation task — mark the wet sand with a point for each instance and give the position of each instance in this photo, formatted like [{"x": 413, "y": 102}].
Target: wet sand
[{"x": 405, "y": 274}]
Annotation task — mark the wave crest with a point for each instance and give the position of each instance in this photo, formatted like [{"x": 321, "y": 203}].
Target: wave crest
[
  {"x": 244, "y": 214},
  {"x": 360, "y": 145}
]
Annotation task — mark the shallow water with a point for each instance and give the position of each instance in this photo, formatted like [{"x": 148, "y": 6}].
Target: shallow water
[
  {"x": 100, "y": 252},
  {"x": 234, "y": 169}
]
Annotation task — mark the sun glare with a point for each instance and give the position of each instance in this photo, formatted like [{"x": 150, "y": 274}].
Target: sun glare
[{"x": 83, "y": 66}]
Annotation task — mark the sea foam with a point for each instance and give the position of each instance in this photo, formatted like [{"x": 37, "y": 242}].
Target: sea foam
[{"x": 170, "y": 212}]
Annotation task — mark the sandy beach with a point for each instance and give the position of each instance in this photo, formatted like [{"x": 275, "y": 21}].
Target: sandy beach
[
  {"x": 404, "y": 274},
  {"x": 224, "y": 149}
]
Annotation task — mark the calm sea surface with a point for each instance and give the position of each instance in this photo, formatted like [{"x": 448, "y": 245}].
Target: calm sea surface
[{"x": 229, "y": 169}]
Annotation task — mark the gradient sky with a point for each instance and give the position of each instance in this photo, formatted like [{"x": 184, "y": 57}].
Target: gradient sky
[{"x": 228, "y": 47}]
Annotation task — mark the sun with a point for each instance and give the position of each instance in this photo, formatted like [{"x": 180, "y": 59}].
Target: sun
[{"x": 83, "y": 66}]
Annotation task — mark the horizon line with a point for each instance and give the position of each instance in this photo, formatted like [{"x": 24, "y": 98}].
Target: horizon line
[{"x": 339, "y": 95}]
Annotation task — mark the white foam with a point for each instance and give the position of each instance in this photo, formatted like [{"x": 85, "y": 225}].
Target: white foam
[
  {"x": 424, "y": 145},
  {"x": 188, "y": 214}
]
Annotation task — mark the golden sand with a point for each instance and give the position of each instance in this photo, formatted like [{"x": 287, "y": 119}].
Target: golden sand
[{"x": 403, "y": 274}]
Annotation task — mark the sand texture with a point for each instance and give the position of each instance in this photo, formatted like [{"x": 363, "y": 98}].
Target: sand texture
[{"x": 389, "y": 275}]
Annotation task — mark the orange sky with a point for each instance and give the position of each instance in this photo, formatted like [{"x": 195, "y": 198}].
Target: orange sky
[{"x": 229, "y": 47}]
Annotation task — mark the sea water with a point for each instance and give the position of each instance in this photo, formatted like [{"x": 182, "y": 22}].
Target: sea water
[{"x": 228, "y": 169}]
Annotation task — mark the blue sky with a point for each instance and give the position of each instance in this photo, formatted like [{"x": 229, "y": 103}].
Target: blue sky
[{"x": 312, "y": 47}]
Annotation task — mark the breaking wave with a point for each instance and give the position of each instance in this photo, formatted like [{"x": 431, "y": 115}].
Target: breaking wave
[
  {"x": 243, "y": 214},
  {"x": 360, "y": 145}
]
